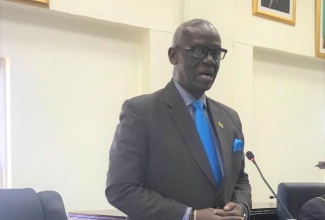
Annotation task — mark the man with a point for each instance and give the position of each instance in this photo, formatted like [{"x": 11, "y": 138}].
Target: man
[
  {"x": 313, "y": 209},
  {"x": 160, "y": 167}
]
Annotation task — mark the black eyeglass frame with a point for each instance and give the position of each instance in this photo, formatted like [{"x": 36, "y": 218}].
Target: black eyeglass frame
[{"x": 222, "y": 50}]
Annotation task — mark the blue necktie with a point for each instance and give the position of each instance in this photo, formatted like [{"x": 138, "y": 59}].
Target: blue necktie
[{"x": 203, "y": 128}]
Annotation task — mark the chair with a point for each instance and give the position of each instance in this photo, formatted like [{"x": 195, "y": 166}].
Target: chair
[
  {"x": 26, "y": 204},
  {"x": 294, "y": 195}
]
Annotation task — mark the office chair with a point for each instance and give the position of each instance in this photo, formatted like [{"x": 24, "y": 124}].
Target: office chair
[
  {"x": 26, "y": 204},
  {"x": 294, "y": 195}
]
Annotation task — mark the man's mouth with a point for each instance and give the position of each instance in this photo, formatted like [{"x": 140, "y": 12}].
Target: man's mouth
[{"x": 210, "y": 75}]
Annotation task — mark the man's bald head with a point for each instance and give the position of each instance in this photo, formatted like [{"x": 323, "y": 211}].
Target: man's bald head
[{"x": 180, "y": 33}]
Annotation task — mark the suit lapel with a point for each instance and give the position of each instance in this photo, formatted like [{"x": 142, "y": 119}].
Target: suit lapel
[
  {"x": 187, "y": 129},
  {"x": 221, "y": 128}
]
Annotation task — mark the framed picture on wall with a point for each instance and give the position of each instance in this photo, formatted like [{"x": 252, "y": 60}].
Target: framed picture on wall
[
  {"x": 38, "y": 3},
  {"x": 278, "y": 10},
  {"x": 320, "y": 29}
]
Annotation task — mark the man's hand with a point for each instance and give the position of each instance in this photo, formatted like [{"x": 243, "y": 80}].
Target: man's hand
[
  {"x": 231, "y": 211},
  {"x": 321, "y": 164}
]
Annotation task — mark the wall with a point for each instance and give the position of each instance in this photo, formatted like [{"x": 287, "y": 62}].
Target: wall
[
  {"x": 5, "y": 149},
  {"x": 67, "y": 88},
  {"x": 289, "y": 116},
  {"x": 261, "y": 32},
  {"x": 78, "y": 61},
  {"x": 157, "y": 15}
]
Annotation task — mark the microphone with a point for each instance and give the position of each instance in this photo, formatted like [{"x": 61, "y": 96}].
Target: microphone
[{"x": 250, "y": 156}]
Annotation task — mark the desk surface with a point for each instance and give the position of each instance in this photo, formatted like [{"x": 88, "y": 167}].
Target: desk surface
[
  {"x": 264, "y": 211},
  {"x": 109, "y": 214},
  {"x": 114, "y": 214}
]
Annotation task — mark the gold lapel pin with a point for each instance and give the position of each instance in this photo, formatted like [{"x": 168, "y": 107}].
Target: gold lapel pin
[{"x": 220, "y": 124}]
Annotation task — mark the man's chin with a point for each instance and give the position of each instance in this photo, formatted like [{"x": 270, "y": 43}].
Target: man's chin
[{"x": 206, "y": 86}]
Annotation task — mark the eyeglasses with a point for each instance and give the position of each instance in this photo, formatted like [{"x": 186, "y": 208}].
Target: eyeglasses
[{"x": 200, "y": 52}]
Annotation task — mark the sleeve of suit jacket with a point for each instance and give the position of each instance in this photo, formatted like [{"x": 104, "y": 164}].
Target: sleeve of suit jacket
[{"x": 127, "y": 169}]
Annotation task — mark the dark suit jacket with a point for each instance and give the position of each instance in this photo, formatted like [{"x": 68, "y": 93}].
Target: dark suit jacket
[
  {"x": 314, "y": 209},
  {"x": 158, "y": 166}
]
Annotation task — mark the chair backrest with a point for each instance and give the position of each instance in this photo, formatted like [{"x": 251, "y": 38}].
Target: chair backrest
[
  {"x": 53, "y": 206},
  {"x": 294, "y": 195},
  {"x": 26, "y": 204}
]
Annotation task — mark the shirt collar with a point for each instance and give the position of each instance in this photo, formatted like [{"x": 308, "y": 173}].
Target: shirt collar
[{"x": 188, "y": 98}]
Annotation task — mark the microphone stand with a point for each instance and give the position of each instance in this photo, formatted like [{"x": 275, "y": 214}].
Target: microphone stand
[{"x": 286, "y": 210}]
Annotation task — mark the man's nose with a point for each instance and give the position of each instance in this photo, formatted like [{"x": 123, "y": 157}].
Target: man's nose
[{"x": 209, "y": 59}]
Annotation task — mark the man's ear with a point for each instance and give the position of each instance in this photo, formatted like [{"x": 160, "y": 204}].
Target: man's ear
[{"x": 172, "y": 55}]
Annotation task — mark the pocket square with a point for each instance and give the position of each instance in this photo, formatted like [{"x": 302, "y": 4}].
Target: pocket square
[{"x": 237, "y": 145}]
